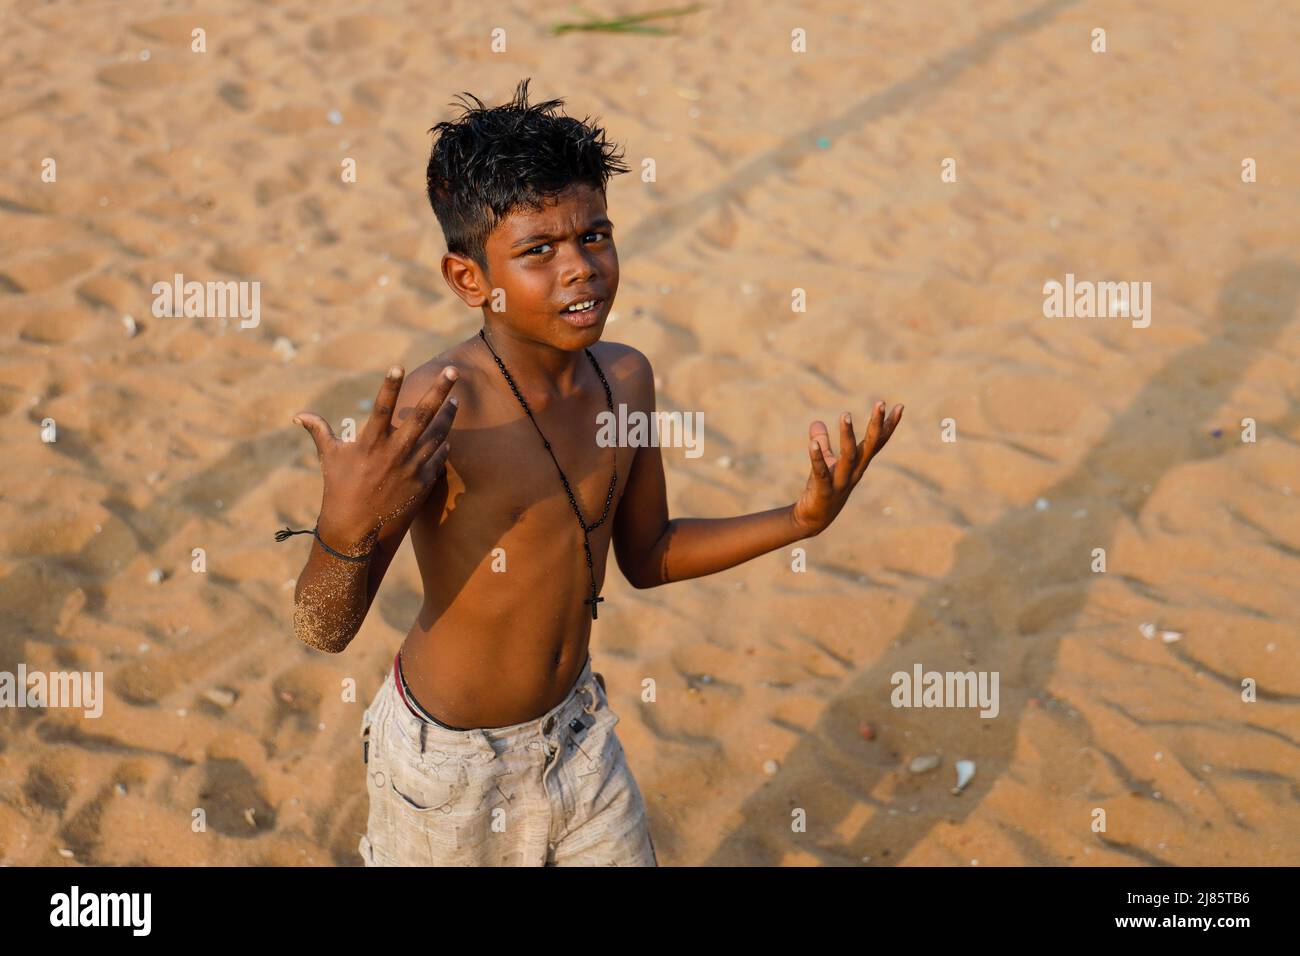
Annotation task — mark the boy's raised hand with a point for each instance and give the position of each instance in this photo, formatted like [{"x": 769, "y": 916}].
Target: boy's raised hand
[
  {"x": 389, "y": 470},
  {"x": 833, "y": 477}
]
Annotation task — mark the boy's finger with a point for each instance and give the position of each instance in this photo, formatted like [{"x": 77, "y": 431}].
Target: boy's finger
[
  {"x": 844, "y": 464},
  {"x": 891, "y": 423},
  {"x": 381, "y": 415},
  {"x": 318, "y": 428},
  {"x": 870, "y": 443},
  {"x": 438, "y": 431},
  {"x": 817, "y": 432},
  {"x": 877, "y": 424},
  {"x": 428, "y": 405},
  {"x": 820, "y": 470},
  {"x": 430, "y": 470}
]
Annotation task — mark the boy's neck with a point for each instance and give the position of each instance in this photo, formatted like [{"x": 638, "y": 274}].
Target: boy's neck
[{"x": 542, "y": 372}]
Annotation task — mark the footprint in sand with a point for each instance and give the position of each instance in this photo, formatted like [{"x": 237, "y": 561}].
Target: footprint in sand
[
  {"x": 240, "y": 96},
  {"x": 350, "y": 33},
  {"x": 113, "y": 292},
  {"x": 232, "y": 798},
  {"x": 177, "y": 29},
  {"x": 151, "y": 74},
  {"x": 44, "y": 272},
  {"x": 293, "y": 120},
  {"x": 53, "y": 326}
]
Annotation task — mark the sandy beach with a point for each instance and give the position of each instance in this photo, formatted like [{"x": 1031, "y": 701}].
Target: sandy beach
[{"x": 1029, "y": 443}]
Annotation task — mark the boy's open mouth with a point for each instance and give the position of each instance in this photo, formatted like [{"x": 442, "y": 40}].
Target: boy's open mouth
[{"x": 584, "y": 312}]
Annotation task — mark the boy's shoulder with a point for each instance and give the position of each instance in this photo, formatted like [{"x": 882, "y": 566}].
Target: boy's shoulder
[
  {"x": 624, "y": 364},
  {"x": 628, "y": 372},
  {"x": 462, "y": 355}
]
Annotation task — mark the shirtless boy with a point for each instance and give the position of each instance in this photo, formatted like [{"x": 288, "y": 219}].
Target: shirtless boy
[{"x": 491, "y": 740}]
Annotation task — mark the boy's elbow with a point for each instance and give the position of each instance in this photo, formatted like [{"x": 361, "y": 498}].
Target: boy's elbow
[
  {"x": 329, "y": 643},
  {"x": 643, "y": 579},
  {"x": 321, "y": 635}
]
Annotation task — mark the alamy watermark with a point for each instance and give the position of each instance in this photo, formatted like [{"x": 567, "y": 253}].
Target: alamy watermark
[
  {"x": 1085, "y": 299},
  {"x": 75, "y": 908},
  {"x": 211, "y": 300},
  {"x": 54, "y": 689},
  {"x": 637, "y": 429},
  {"x": 923, "y": 688}
]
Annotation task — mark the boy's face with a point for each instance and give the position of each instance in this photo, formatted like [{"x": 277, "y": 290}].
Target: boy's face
[{"x": 546, "y": 260}]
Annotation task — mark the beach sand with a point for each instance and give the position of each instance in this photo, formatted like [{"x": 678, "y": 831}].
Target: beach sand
[{"x": 772, "y": 739}]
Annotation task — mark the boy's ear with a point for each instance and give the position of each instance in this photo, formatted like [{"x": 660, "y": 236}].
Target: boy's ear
[{"x": 466, "y": 279}]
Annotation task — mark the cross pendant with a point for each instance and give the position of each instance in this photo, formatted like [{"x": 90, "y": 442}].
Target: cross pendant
[{"x": 593, "y": 601}]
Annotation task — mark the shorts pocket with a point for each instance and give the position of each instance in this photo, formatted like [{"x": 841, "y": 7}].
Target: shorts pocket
[
  {"x": 428, "y": 789},
  {"x": 433, "y": 815}
]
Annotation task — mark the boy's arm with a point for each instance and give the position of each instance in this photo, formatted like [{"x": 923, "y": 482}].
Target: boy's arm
[
  {"x": 333, "y": 596},
  {"x": 653, "y": 549},
  {"x": 373, "y": 489}
]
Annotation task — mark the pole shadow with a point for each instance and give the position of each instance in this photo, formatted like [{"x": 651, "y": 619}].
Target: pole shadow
[{"x": 1023, "y": 553}]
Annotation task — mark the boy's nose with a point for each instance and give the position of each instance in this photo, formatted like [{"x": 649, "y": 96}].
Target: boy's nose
[{"x": 579, "y": 266}]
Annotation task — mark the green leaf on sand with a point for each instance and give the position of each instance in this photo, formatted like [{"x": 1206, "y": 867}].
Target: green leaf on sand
[{"x": 632, "y": 23}]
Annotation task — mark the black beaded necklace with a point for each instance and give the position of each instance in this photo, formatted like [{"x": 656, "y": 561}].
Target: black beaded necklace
[{"x": 573, "y": 502}]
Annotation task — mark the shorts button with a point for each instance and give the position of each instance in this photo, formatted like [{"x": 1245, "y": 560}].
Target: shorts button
[
  {"x": 535, "y": 745},
  {"x": 379, "y": 778}
]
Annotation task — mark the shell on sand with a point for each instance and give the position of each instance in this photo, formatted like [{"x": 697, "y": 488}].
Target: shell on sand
[{"x": 965, "y": 773}]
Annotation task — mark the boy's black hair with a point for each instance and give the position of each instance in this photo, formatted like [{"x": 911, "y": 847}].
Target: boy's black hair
[{"x": 491, "y": 161}]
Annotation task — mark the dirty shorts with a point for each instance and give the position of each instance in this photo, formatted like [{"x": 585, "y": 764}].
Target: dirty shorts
[{"x": 555, "y": 791}]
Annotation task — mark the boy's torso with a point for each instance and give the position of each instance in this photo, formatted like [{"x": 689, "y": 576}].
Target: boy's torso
[{"x": 503, "y": 630}]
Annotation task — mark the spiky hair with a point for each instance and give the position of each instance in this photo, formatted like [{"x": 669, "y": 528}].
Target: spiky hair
[{"x": 490, "y": 161}]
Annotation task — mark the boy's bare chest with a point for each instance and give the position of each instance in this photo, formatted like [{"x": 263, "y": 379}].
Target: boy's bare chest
[
  {"x": 505, "y": 477},
  {"x": 528, "y": 477}
]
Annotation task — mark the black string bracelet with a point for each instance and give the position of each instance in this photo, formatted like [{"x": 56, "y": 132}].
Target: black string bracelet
[{"x": 288, "y": 532}]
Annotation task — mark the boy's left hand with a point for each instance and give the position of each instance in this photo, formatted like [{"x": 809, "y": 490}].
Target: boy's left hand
[{"x": 834, "y": 478}]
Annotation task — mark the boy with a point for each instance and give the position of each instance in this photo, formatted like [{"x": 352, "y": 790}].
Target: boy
[{"x": 491, "y": 740}]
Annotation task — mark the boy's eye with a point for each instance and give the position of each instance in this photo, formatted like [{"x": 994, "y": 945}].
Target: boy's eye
[{"x": 547, "y": 245}]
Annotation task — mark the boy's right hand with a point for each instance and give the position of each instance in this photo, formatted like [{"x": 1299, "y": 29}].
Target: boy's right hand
[{"x": 389, "y": 470}]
